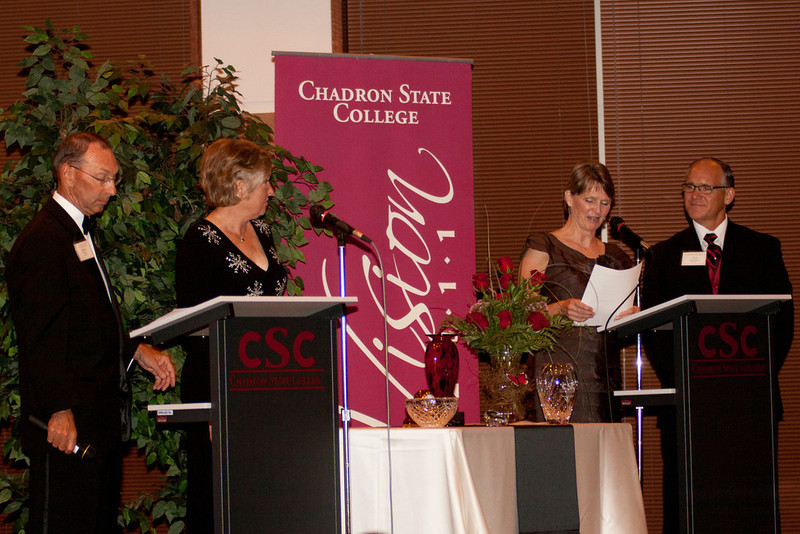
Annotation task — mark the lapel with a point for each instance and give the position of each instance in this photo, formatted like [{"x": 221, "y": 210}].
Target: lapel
[
  {"x": 99, "y": 274},
  {"x": 689, "y": 240},
  {"x": 113, "y": 298},
  {"x": 695, "y": 278},
  {"x": 125, "y": 393},
  {"x": 727, "y": 271}
]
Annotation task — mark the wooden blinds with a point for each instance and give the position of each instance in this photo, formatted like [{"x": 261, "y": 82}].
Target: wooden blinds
[
  {"x": 534, "y": 101},
  {"x": 168, "y": 33},
  {"x": 682, "y": 79},
  {"x": 686, "y": 79}
]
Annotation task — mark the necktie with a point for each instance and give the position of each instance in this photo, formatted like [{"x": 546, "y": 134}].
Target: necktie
[
  {"x": 713, "y": 257},
  {"x": 88, "y": 223}
]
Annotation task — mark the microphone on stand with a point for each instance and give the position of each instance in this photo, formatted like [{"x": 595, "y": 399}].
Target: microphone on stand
[
  {"x": 322, "y": 217},
  {"x": 621, "y": 232},
  {"x": 84, "y": 451}
]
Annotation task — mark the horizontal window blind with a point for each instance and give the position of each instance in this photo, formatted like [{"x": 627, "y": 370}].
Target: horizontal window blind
[
  {"x": 686, "y": 79},
  {"x": 683, "y": 79},
  {"x": 534, "y": 100},
  {"x": 167, "y": 33}
]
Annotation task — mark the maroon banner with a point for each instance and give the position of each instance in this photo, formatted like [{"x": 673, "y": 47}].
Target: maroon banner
[{"x": 394, "y": 136}]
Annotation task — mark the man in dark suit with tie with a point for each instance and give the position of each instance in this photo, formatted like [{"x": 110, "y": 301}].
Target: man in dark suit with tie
[
  {"x": 712, "y": 256},
  {"x": 73, "y": 350}
]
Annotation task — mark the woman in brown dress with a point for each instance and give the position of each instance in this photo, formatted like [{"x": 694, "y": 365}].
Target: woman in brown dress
[{"x": 567, "y": 256}]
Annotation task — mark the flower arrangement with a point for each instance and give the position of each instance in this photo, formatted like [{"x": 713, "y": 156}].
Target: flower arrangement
[
  {"x": 510, "y": 318},
  {"x": 506, "y": 322}
]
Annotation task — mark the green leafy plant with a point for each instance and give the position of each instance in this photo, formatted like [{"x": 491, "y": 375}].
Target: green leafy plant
[{"x": 158, "y": 129}]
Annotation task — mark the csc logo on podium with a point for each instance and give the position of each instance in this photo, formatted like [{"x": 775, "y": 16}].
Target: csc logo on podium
[
  {"x": 277, "y": 346},
  {"x": 728, "y": 348},
  {"x": 279, "y": 359},
  {"x": 728, "y": 340}
]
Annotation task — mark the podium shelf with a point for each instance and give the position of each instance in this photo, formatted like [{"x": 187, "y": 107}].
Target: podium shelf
[
  {"x": 190, "y": 412},
  {"x": 635, "y": 398}
]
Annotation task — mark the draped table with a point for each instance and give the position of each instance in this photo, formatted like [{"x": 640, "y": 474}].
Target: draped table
[{"x": 478, "y": 480}]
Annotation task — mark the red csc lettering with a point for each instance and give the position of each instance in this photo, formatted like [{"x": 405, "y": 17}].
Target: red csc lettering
[
  {"x": 713, "y": 342},
  {"x": 277, "y": 341}
]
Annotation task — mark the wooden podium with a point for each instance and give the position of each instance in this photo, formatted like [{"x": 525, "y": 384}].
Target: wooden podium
[
  {"x": 726, "y": 426},
  {"x": 273, "y": 410}
]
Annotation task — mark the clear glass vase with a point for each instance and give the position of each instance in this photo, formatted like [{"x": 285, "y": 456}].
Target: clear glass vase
[
  {"x": 506, "y": 386},
  {"x": 557, "y": 385}
]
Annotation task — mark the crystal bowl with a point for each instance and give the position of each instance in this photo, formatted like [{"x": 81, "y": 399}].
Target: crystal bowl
[{"x": 432, "y": 412}]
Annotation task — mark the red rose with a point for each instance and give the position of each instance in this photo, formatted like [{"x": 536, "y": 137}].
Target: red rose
[
  {"x": 518, "y": 380},
  {"x": 480, "y": 281},
  {"x": 537, "y": 320},
  {"x": 537, "y": 278},
  {"x": 505, "y": 279},
  {"x": 505, "y": 319},
  {"x": 505, "y": 265},
  {"x": 479, "y": 319}
]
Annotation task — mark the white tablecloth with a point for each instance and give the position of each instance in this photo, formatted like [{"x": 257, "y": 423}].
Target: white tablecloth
[
  {"x": 609, "y": 493},
  {"x": 463, "y": 480}
]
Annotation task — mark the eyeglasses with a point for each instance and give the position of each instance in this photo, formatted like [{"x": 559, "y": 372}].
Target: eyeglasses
[
  {"x": 703, "y": 188},
  {"x": 116, "y": 179}
]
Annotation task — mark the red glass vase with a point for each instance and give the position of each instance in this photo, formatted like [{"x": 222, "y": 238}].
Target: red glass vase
[{"x": 441, "y": 365}]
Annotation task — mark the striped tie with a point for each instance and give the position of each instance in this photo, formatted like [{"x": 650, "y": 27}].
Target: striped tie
[{"x": 713, "y": 257}]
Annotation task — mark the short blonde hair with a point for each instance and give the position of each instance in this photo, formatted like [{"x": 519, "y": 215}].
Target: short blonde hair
[{"x": 229, "y": 160}]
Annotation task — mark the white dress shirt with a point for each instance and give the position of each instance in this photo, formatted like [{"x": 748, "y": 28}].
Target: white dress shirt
[{"x": 719, "y": 231}]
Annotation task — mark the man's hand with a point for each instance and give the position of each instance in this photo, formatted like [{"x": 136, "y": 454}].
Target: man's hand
[
  {"x": 62, "y": 432},
  {"x": 158, "y": 363}
]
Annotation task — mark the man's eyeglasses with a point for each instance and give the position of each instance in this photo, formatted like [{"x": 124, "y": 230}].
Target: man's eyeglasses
[
  {"x": 116, "y": 179},
  {"x": 703, "y": 188}
]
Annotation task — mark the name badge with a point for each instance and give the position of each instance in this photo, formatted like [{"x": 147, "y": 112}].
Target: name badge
[
  {"x": 693, "y": 259},
  {"x": 84, "y": 250}
]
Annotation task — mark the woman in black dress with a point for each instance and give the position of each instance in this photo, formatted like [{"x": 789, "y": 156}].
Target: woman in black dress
[
  {"x": 228, "y": 252},
  {"x": 567, "y": 256}
]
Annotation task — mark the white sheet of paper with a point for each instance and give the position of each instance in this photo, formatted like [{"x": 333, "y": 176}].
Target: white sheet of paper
[{"x": 607, "y": 288}]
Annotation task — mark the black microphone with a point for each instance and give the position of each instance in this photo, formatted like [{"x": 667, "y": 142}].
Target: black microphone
[
  {"x": 621, "y": 232},
  {"x": 84, "y": 451},
  {"x": 320, "y": 216}
]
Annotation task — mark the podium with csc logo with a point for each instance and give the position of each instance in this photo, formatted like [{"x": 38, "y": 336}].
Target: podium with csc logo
[
  {"x": 274, "y": 408},
  {"x": 725, "y": 385}
]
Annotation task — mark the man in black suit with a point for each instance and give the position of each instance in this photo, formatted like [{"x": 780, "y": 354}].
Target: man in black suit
[
  {"x": 73, "y": 350},
  {"x": 741, "y": 261}
]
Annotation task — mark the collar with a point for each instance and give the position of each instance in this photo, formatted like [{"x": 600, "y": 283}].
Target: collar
[
  {"x": 71, "y": 210},
  {"x": 719, "y": 230}
]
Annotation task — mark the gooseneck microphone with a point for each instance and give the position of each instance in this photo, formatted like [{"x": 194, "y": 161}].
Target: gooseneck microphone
[
  {"x": 621, "y": 232},
  {"x": 84, "y": 451},
  {"x": 322, "y": 217}
]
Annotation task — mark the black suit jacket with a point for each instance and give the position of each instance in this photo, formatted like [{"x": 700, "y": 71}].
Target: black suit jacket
[
  {"x": 70, "y": 336},
  {"x": 752, "y": 263}
]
